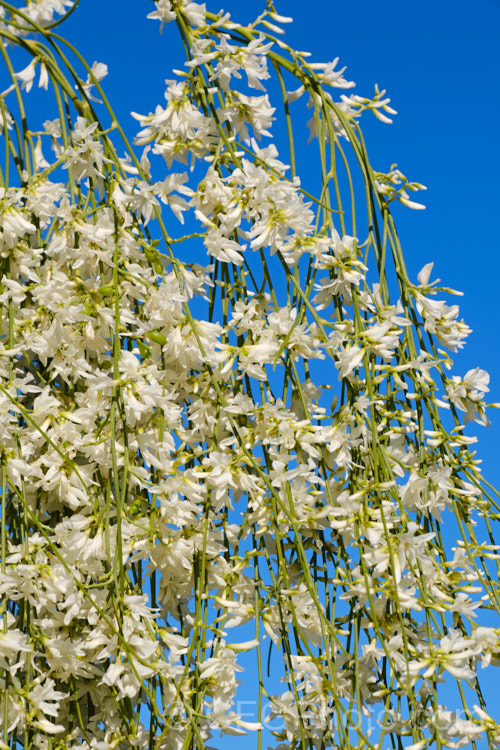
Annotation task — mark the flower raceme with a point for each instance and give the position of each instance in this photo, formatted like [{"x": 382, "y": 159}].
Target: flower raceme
[{"x": 228, "y": 442}]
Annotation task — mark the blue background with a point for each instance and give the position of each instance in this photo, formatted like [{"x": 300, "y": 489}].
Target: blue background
[
  {"x": 439, "y": 62},
  {"x": 440, "y": 65}
]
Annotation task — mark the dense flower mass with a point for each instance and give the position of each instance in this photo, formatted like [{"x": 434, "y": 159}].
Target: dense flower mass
[{"x": 232, "y": 448}]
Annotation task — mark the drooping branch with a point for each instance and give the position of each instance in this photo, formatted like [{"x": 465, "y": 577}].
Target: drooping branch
[{"x": 231, "y": 442}]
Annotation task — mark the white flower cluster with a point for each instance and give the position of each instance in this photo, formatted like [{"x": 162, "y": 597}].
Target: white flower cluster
[{"x": 175, "y": 475}]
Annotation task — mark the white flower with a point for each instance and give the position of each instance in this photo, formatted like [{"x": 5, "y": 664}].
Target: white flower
[
  {"x": 467, "y": 394},
  {"x": 440, "y": 319},
  {"x": 244, "y": 110},
  {"x": 347, "y": 359},
  {"x": 42, "y": 11},
  {"x": 220, "y": 670},
  {"x": 222, "y": 248},
  {"x": 331, "y": 77},
  {"x": 98, "y": 72},
  {"x": 163, "y": 12},
  {"x": 27, "y": 75},
  {"x": 232, "y": 59}
]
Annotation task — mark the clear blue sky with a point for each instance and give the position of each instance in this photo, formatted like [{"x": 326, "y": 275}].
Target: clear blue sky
[{"x": 438, "y": 60}]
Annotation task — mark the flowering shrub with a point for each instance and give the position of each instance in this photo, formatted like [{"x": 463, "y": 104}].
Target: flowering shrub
[{"x": 182, "y": 502}]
